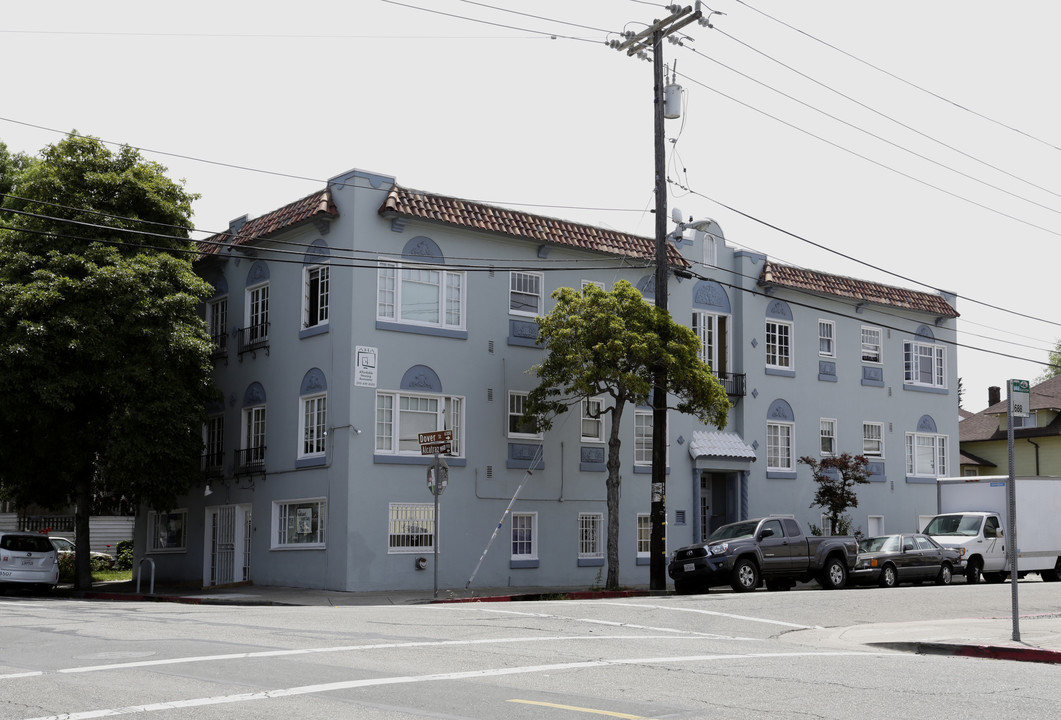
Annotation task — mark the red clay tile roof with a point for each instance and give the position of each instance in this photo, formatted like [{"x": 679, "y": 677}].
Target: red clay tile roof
[
  {"x": 870, "y": 292},
  {"x": 469, "y": 214},
  {"x": 309, "y": 208}
]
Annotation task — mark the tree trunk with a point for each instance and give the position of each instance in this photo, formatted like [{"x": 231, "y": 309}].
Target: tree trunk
[{"x": 83, "y": 556}]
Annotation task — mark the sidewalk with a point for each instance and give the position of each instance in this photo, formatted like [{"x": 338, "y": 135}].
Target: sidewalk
[{"x": 967, "y": 637}]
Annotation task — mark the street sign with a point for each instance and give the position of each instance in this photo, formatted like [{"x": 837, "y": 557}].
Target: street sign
[
  {"x": 1020, "y": 398},
  {"x": 436, "y": 437},
  {"x": 442, "y": 448}
]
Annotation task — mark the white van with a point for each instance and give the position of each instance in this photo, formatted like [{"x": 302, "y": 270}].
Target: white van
[{"x": 973, "y": 517}]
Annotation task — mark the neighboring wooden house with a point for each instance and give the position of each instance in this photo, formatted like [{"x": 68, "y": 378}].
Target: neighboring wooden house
[{"x": 1036, "y": 439}]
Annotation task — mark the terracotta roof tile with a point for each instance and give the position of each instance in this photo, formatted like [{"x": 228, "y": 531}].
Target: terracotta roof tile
[
  {"x": 862, "y": 290},
  {"x": 309, "y": 208},
  {"x": 465, "y": 213}
]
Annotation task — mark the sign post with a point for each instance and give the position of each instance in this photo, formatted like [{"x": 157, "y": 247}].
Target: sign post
[
  {"x": 436, "y": 443},
  {"x": 1018, "y": 401}
]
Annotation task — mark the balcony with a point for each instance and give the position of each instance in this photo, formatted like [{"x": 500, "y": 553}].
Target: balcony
[
  {"x": 253, "y": 338},
  {"x": 213, "y": 464},
  {"x": 220, "y": 343},
  {"x": 250, "y": 461},
  {"x": 733, "y": 382}
]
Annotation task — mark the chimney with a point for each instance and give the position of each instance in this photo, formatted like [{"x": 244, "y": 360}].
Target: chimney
[{"x": 994, "y": 395}]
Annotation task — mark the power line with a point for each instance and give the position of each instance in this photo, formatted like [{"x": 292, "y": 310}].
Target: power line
[
  {"x": 896, "y": 145},
  {"x": 900, "y": 79}
]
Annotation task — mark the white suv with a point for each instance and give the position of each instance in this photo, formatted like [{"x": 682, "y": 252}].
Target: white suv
[{"x": 28, "y": 560}]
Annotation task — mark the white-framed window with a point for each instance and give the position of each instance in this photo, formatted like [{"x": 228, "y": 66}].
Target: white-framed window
[
  {"x": 598, "y": 283},
  {"x": 420, "y": 295},
  {"x": 402, "y": 416},
  {"x": 300, "y": 523},
  {"x": 258, "y": 313},
  {"x": 779, "y": 446},
  {"x": 525, "y": 293},
  {"x": 710, "y": 250},
  {"x": 827, "y": 338},
  {"x": 313, "y": 426},
  {"x": 871, "y": 344},
  {"x": 524, "y": 536},
  {"x": 873, "y": 439},
  {"x": 590, "y": 535},
  {"x": 714, "y": 348},
  {"x": 925, "y": 364},
  {"x": 411, "y": 527},
  {"x": 214, "y": 442},
  {"x": 779, "y": 344},
  {"x": 642, "y": 437},
  {"x": 644, "y": 535},
  {"x": 592, "y": 420},
  {"x": 926, "y": 455},
  {"x": 217, "y": 321},
  {"x": 828, "y": 436},
  {"x": 315, "y": 295},
  {"x": 518, "y": 427},
  {"x": 167, "y": 531},
  {"x": 253, "y": 435}
]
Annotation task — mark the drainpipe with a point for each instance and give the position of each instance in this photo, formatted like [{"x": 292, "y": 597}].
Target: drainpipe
[{"x": 1036, "y": 455}]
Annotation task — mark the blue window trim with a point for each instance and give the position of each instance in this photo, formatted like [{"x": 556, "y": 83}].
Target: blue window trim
[
  {"x": 780, "y": 475},
  {"x": 646, "y": 470},
  {"x": 591, "y": 562},
  {"x": 925, "y": 389},
  {"x": 522, "y": 564},
  {"x": 310, "y": 462},
  {"x": 780, "y": 372},
  {"x": 315, "y": 330},
  {"x": 421, "y": 330},
  {"x": 417, "y": 460}
]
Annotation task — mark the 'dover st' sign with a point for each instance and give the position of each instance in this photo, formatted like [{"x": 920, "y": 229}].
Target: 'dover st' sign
[{"x": 430, "y": 438}]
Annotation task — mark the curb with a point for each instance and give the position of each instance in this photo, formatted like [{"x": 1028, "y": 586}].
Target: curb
[
  {"x": 989, "y": 652},
  {"x": 535, "y": 597}
]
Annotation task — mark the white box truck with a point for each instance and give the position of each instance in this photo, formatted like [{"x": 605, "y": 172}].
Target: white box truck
[{"x": 974, "y": 517}]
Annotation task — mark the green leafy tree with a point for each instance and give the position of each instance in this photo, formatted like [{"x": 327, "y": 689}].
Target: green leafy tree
[
  {"x": 837, "y": 477},
  {"x": 1054, "y": 367},
  {"x": 104, "y": 360},
  {"x": 608, "y": 344}
]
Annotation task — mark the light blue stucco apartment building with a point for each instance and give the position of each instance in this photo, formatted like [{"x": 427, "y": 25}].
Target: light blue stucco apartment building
[{"x": 355, "y": 318}]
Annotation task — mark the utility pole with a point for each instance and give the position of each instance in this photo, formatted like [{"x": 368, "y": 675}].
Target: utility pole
[{"x": 652, "y": 38}]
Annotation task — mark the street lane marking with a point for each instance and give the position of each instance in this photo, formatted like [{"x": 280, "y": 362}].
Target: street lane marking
[
  {"x": 713, "y": 612},
  {"x": 343, "y": 648},
  {"x": 579, "y": 709},
  {"x": 12, "y": 676},
  {"x": 406, "y": 679},
  {"x": 612, "y": 623}
]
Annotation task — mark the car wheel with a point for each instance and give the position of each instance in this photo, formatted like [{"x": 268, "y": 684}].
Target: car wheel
[
  {"x": 1052, "y": 575},
  {"x": 945, "y": 575},
  {"x": 888, "y": 576},
  {"x": 745, "y": 577},
  {"x": 973, "y": 572},
  {"x": 834, "y": 574}
]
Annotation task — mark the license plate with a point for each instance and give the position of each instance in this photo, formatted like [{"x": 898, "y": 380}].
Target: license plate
[
  {"x": 689, "y": 567},
  {"x": 26, "y": 562}
]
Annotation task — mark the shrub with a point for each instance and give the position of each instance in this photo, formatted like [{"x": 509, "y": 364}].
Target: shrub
[
  {"x": 125, "y": 555},
  {"x": 66, "y": 567}
]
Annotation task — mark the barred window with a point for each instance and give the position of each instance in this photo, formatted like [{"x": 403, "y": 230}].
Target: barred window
[
  {"x": 411, "y": 527},
  {"x": 590, "y": 544}
]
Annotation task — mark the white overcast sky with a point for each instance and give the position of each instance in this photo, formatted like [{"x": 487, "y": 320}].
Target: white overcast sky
[{"x": 803, "y": 122}]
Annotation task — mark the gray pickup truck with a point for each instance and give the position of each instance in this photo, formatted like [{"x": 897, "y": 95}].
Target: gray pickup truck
[{"x": 771, "y": 550}]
